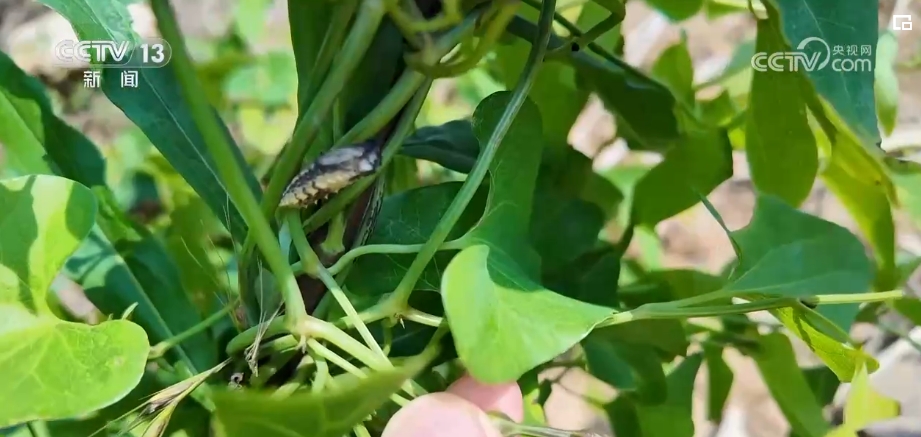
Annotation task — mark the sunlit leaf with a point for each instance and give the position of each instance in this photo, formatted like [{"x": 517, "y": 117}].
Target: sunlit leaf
[{"x": 58, "y": 369}]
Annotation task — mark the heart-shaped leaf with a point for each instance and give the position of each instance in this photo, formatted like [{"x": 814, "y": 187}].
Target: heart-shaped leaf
[
  {"x": 327, "y": 414},
  {"x": 492, "y": 300},
  {"x": 504, "y": 323},
  {"x": 41, "y": 143},
  {"x": 795, "y": 254},
  {"x": 786, "y": 252},
  {"x": 56, "y": 369}
]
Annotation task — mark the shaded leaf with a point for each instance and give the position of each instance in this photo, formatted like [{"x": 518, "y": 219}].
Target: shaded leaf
[
  {"x": 667, "y": 335},
  {"x": 823, "y": 383},
  {"x": 675, "y": 70},
  {"x": 246, "y": 413},
  {"x": 696, "y": 166},
  {"x": 779, "y": 144},
  {"x": 677, "y": 10},
  {"x": 61, "y": 369},
  {"x": 158, "y": 108},
  {"x": 452, "y": 145},
  {"x": 563, "y": 228},
  {"x": 788, "y": 386},
  {"x": 719, "y": 382},
  {"x": 409, "y": 218},
  {"x": 646, "y": 108},
  {"x": 672, "y": 418},
  {"x": 906, "y": 175}
]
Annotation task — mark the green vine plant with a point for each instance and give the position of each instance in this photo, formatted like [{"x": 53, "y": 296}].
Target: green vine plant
[{"x": 359, "y": 287}]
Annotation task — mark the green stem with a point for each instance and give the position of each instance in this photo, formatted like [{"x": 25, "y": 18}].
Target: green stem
[
  {"x": 350, "y": 256},
  {"x": 332, "y": 42},
  {"x": 314, "y": 268},
  {"x": 361, "y": 431},
  {"x": 668, "y": 310},
  {"x": 246, "y": 338},
  {"x": 420, "y": 317},
  {"x": 323, "y": 351},
  {"x": 159, "y": 349},
  {"x": 349, "y": 345},
  {"x": 300, "y": 376},
  {"x": 398, "y": 301},
  {"x": 231, "y": 174},
  {"x": 575, "y": 32},
  {"x": 407, "y": 85},
  {"x": 494, "y": 30},
  {"x": 322, "y": 376},
  {"x": 302, "y": 147}
]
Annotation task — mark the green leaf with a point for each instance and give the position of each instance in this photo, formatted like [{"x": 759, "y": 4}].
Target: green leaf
[
  {"x": 627, "y": 367},
  {"x": 452, "y": 145},
  {"x": 672, "y": 418},
  {"x": 308, "y": 24},
  {"x": 491, "y": 297},
  {"x": 827, "y": 342},
  {"x": 97, "y": 19},
  {"x": 245, "y": 413},
  {"x": 695, "y": 167},
  {"x": 668, "y": 335},
  {"x": 785, "y": 252},
  {"x": 786, "y": 232},
  {"x": 906, "y": 175},
  {"x": 675, "y": 70},
  {"x": 554, "y": 90},
  {"x": 512, "y": 173},
  {"x": 61, "y": 369},
  {"x": 563, "y": 228},
  {"x": 886, "y": 83},
  {"x": 850, "y": 93},
  {"x": 157, "y": 107},
  {"x": 719, "y": 382},
  {"x": 823, "y": 382},
  {"x": 604, "y": 362},
  {"x": 677, "y": 10},
  {"x": 504, "y": 323},
  {"x": 669, "y": 285},
  {"x": 409, "y": 218},
  {"x": 779, "y": 144},
  {"x": 858, "y": 178},
  {"x": 865, "y": 405},
  {"x": 788, "y": 386},
  {"x": 645, "y": 107},
  {"x": 98, "y": 266}
]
